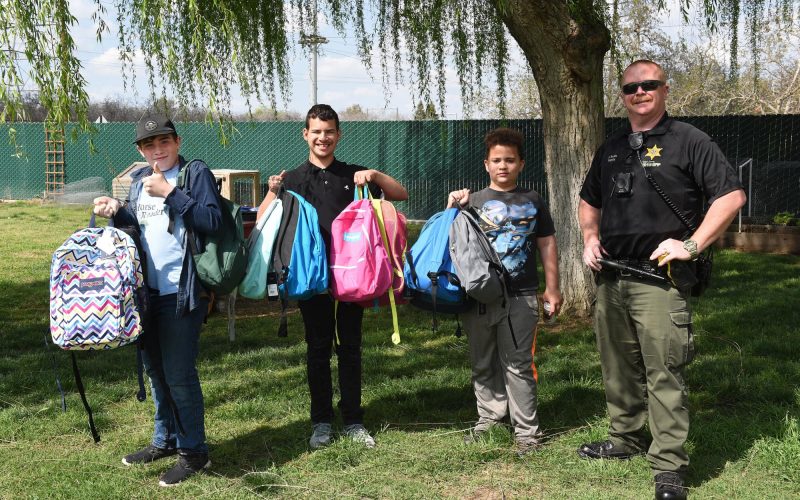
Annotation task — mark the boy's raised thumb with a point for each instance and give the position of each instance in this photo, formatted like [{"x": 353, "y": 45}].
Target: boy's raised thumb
[{"x": 156, "y": 170}]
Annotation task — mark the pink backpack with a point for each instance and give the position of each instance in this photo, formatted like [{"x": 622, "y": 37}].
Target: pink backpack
[
  {"x": 394, "y": 223},
  {"x": 359, "y": 262}
]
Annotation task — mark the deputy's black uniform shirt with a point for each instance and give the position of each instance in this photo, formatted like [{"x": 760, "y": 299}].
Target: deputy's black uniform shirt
[
  {"x": 684, "y": 161},
  {"x": 329, "y": 190}
]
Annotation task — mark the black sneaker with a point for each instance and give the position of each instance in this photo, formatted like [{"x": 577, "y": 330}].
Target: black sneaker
[
  {"x": 669, "y": 486},
  {"x": 188, "y": 465},
  {"x": 147, "y": 455}
]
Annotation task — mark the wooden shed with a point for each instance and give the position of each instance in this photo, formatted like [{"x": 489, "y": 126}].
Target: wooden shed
[
  {"x": 241, "y": 186},
  {"x": 122, "y": 183}
]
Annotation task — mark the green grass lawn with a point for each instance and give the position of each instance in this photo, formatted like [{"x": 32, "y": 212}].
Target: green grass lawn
[{"x": 744, "y": 440}]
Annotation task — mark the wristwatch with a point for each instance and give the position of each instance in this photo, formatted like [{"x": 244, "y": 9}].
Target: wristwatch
[{"x": 691, "y": 247}]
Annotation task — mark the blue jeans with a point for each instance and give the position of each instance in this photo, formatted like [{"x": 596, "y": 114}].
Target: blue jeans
[{"x": 170, "y": 355}]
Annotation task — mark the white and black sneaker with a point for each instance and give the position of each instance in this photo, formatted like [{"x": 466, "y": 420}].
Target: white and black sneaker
[
  {"x": 188, "y": 465},
  {"x": 359, "y": 434},
  {"x": 320, "y": 435},
  {"x": 147, "y": 455}
]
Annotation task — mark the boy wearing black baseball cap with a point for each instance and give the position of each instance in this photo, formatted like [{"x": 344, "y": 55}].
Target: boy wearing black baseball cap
[{"x": 162, "y": 213}]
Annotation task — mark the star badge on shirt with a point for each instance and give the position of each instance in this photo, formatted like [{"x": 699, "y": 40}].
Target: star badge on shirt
[
  {"x": 347, "y": 187},
  {"x": 653, "y": 152}
]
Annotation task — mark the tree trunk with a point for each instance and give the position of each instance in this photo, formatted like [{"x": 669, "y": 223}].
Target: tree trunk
[{"x": 566, "y": 55}]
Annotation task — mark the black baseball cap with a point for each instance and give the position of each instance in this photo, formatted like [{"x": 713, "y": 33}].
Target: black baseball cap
[{"x": 153, "y": 125}]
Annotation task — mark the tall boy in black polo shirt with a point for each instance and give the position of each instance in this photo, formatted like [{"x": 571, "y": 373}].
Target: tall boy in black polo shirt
[{"x": 328, "y": 184}]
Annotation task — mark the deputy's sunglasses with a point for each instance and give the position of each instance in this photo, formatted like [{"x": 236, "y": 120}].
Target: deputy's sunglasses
[{"x": 647, "y": 86}]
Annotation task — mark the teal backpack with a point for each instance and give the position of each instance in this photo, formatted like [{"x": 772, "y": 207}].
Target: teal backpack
[
  {"x": 221, "y": 266},
  {"x": 259, "y": 249}
]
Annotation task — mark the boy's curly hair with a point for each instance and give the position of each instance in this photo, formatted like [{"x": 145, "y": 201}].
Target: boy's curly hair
[{"x": 505, "y": 137}]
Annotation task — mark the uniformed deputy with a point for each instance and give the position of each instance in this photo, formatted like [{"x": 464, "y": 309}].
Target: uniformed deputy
[{"x": 644, "y": 326}]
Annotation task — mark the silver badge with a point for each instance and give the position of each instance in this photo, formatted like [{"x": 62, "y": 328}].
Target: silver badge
[{"x": 150, "y": 126}]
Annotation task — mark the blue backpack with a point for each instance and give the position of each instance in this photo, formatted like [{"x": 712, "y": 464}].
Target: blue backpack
[
  {"x": 299, "y": 258},
  {"x": 431, "y": 280}
]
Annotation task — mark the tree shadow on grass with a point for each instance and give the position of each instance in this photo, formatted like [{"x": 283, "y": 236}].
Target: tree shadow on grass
[
  {"x": 261, "y": 449},
  {"x": 30, "y": 362}
]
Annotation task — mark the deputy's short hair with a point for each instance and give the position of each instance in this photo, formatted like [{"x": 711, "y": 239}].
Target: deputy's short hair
[{"x": 660, "y": 68}]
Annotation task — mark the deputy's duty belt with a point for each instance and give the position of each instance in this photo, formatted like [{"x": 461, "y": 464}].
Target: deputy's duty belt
[{"x": 636, "y": 268}]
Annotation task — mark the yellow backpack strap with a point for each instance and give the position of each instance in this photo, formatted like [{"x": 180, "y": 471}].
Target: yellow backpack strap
[
  {"x": 336, "y": 342},
  {"x": 376, "y": 207}
]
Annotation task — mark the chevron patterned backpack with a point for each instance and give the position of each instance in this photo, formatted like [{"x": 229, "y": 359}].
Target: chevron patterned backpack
[
  {"x": 94, "y": 278},
  {"x": 98, "y": 298}
]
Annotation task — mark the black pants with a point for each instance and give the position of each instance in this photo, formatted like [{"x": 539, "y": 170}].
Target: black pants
[{"x": 318, "y": 318}]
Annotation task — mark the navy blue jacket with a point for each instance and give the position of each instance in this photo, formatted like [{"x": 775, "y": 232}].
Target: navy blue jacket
[{"x": 198, "y": 204}]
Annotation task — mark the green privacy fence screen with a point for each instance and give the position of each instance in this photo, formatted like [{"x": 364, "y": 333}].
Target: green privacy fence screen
[{"x": 430, "y": 158}]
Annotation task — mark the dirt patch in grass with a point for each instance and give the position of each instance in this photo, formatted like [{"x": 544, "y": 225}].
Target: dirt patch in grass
[{"x": 486, "y": 493}]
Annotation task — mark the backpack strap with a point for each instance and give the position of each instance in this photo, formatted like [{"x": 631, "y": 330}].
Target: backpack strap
[
  {"x": 376, "y": 207},
  {"x": 143, "y": 303},
  {"x": 82, "y": 391},
  {"x": 180, "y": 183},
  {"x": 55, "y": 372},
  {"x": 336, "y": 342},
  {"x": 434, "y": 277},
  {"x": 77, "y": 373},
  {"x": 141, "y": 395},
  {"x": 411, "y": 268},
  {"x": 282, "y": 269},
  {"x": 283, "y": 329},
  {"x": 439, "y": 242}
]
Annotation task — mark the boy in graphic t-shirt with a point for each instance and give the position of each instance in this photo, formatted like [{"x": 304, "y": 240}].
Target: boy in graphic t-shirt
[{"x": 517, "y": 222}]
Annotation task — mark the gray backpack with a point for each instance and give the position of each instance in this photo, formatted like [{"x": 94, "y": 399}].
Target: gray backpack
[{"x": 477, "y": 264}]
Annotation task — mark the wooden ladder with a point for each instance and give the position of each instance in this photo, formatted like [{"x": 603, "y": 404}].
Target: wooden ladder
[{"x": 53, "y": 162}]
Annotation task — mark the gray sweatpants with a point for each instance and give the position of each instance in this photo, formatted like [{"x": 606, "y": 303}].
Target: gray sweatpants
[{"x": 502, "y": 375}]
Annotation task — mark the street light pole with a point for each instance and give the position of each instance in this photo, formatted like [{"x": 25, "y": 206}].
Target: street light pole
[{"x": 314, "y": 40}]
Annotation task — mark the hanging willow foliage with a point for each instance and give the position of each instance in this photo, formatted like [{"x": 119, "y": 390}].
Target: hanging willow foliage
[
  {"x": 200, "y": 49},
  {"x": 37, "y": 54}
]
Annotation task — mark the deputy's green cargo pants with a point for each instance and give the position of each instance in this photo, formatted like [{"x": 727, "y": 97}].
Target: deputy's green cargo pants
[{"x": 645, "y": 339}]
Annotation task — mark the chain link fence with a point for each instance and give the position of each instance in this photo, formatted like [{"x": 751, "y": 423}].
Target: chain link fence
[{"x": 431, "y": 158}]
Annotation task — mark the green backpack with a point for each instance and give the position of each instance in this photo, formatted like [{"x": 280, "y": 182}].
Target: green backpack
[{"x": 222, "y": 265}]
